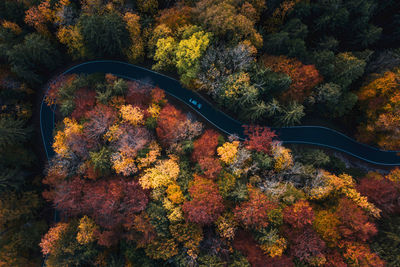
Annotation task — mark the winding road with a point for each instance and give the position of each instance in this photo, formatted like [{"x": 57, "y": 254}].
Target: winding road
[{"x": 313, "y": 135}]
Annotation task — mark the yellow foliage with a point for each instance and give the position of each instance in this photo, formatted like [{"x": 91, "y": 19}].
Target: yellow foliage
[
  {"x": 71, "y": 128},
  {"x": 154, "y": 110},
  {"x": 86, "y": 231},
  {"x": 123, "y": 165},
  {"x": 276, "y": 249},
  {"x": 164, "y": 173},
  {"x": 174, "y": 193},
  {"x": 133, "y": 115},
  {"x": 12, "y": 26},
  {"x": 344, "y": 184},
  {"x": 113, "y": 133},
  {"x": 226, "y": 226},
  {"x": 136, "y": 51},
  {"x": 282, "y": 156},
  {"x": 151, "y": 156},
  {"x": 72, "y": 38},
  {"x": 228, "y": 151},
  {"x": 326, "y": 224}
]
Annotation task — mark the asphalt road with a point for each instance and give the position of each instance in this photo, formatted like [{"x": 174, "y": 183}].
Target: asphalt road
[{"x": 312, "y": 135}]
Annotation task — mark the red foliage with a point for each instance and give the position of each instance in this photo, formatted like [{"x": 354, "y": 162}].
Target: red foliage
[
  {"x": 210, "y": 166},
  {"x": 255, "y": 211},
  {"x": 299, "y": 215},
  {"x": 168, "y": 122},
  {"x": 354, "y": 222},
  {"x": 382, "y": 192},
  {"x": 84, "y": 101},
  {"x": 304, "y": 77},
  {"x": 259, "y": 138},
  {"x": 158, "y": 96},
  {"x": 206, "y": 204},
  {"x": 175, "y": 17},
  {"x": 256, "y": 257},
  {"x": 334, "y": 259},
  {"x": 205, "y": 146},
  {"x": 108, "y": 238},
  {"x": 138, "y": 94},
  {"x": 100, "y": 118},
  {"x": 109, "y": 202},
  {"x": 305, "y": 244}
]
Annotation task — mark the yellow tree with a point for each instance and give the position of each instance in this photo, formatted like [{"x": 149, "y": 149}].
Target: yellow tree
[
  {"x": 133, "y": 115},
  {"x": 228, "y": 151},
  {"x": 71, "y": 37},
  {"x": 164, "y": 173},
  {"x": 136, "y": 50},
  {"x": 87, "y": 231}
]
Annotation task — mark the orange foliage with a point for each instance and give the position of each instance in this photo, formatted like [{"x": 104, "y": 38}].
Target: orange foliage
[
  {"x": 255, "y": 212},
  {"x": 175, "y": 17},
  {"x": 259, "y": 138},
  {"x": 304, "y": 77},
  {"x": 51, "y": 237},
  {"x": 381, "y": 99},
  {"x": 299, "y": 214}
]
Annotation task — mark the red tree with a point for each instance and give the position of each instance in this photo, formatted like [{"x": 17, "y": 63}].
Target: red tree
[
  {"x": 334, "y": 259},
  {"x": 354, "y": 222},
  {"x": 382, "y": 192},
  {"x": 304, "y": 77},
  {"x": 138, "y": 94},
  {"x": 210, "y": 166},
  {"x": 259, "y": 138},
  {"x": 168, "y": 122},
  {"x": 305, "y": 244},
  {"x": 256, "y": 257},
  {"x": 100, "y": 118},
  {"x": 299, "y": 215},
  {"x": 206, "y": 204},
  {"x": 205, "y": 146},
  {"x": 84, "y": 101},
  {"x": 255, "y": 211},
  {"x": 109, "y": 202}
]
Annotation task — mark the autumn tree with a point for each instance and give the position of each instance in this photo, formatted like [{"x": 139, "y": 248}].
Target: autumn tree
[
  {"x": 299, "y": 215},
  {"x": 255, "y": 212},
  {"x": 259, "y": 138},
  {"x": 206, "y": 203},
  {"x": 380, "y": 100},
  {"x": 167, "y": 124},
  {"x": 136, "y": 50},
  {"x": 355, "y": 225},
  {"x": 304, "y": 77}
]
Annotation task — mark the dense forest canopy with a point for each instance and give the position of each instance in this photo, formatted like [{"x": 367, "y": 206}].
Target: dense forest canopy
[{"x": 138, "y": 180}]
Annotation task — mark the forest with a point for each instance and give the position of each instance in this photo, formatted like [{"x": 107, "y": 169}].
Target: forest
[{"x": 139, "y": 179}]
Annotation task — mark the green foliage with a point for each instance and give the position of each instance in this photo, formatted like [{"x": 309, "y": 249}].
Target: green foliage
[
  {"x": 104, "y": 35},
  {"x": 12, "y": 131},
  {"x": 101, "y": 160},
  {"x": 33, "y": 57},
  {"x": 387, "y": 243}
]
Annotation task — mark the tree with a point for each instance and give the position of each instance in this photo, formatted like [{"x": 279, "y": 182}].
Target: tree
[
  {"x": 205, "y": 146},
  {"x": 292, "y": 114},
  {"x": 104, "y": 35},
  {"x": 133, "y": 115},
  {"x": 355, "y": 224},
  {"x": 168, "y": 124},
  {"x": 206, "y": 203},
  {"x": 87, "y": 231},
  {"x": 227, "y": 19},
  {"x": 326, "y": 225},
  {"x": 228, "y": 151},
  {"x": 304, "y": 77},
  {"x": 380, "y": 103},
  {"x": 84, "y": 102},
  {"x": 382, "y": 192},
  {"x": 259, "y": 138},
  {"x": 175, "y": 17},
  {"x": 299, "y": 215},
  {"x": 307, "y": 246},
  {"x": 71, "y": 37},
  {"x": 255, "y": 212},
  {"x": 163, "y": 174},
  {"x": 136, "y": 50},
  {"x": 12, "y": 131},
  {"x": 165, "y": 53},
  {"x": 188, "y": 53},
  {"x": 100, "y": 118},
  {"x": 33, "y": 57}
]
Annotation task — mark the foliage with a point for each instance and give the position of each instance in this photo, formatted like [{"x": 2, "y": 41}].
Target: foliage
[{"x": 206, "y": 203}]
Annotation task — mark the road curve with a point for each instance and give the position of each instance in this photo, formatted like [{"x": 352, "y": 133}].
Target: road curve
[{"x": 313, "y": 135}]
